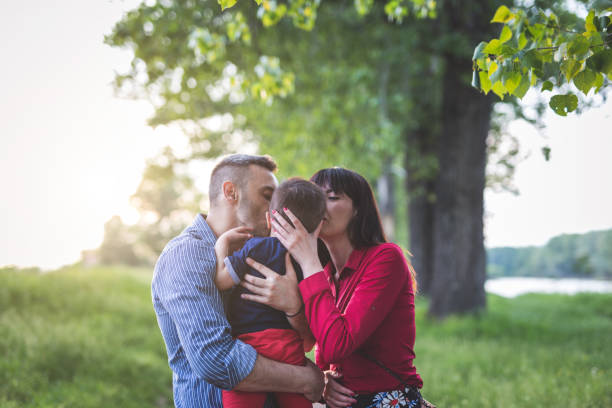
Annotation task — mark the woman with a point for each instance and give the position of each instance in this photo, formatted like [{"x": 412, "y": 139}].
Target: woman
[{"x": 360, "y": 306}]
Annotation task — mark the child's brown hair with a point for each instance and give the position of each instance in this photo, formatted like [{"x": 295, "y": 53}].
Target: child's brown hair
[{"x": 304, "y": 198}]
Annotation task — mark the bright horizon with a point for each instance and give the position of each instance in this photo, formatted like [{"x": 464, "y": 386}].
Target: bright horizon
[{"x": 72, "y": 153}]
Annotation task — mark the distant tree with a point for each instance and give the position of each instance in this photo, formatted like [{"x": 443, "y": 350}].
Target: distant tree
[
  {"x": 586, "y": 255},
  {"x": 582, "y": 266},
  {"x": 166, "y": 200},
  {"x": 118, "y": 244}
]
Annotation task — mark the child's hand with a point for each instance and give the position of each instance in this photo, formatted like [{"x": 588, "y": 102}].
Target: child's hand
[{"x": 234, "y": 237}]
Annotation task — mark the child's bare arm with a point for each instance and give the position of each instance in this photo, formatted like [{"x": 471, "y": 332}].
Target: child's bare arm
[
  {"x": 300, "y": 324},
  {"x": 233, "y": 237}
]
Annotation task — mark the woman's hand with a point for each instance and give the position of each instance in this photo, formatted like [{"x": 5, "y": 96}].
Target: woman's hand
[
  {"x": 277, "y": 291},
  {"x": 335, "y": 394},
  {"x": 300, "y": 244}
]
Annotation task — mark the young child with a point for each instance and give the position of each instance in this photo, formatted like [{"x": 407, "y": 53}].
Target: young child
[{"x": 266, "y": 329}]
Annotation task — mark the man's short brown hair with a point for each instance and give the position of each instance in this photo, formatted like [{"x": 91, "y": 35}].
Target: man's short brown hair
[
  {"x": 304, "y": 198},
  {"x": 235, "y": 168}
]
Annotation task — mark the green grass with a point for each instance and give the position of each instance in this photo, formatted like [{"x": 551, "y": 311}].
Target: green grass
[
  {"x": 82, "y": 337},
  {"x": 535, "y": 350}
]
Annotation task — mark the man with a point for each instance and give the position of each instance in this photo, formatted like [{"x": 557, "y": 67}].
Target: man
[{"x": 201, "y": 351}]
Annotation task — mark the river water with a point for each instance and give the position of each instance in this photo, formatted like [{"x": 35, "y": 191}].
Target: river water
[{"x": 515, "y": 286}]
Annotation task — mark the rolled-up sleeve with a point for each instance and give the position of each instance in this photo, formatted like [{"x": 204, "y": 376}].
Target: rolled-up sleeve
[{"x": 189, "y": 295}]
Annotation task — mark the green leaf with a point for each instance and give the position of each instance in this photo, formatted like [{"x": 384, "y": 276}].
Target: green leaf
[
  {"x": 532, "y": 59},
  {"x": 495, "y": 72},
  {"x": 271, "y": 17},
  {"x": 258, "y": 2},
  {"x": 523, "y": 87},
  {"x": 476, "y": 80},
  {"x": 570, "y": 67},
  {"x": 502, "y": 15},
  {"x": 585, "y": 80},
  {"x": 588, "y": 24},
  {"x": 536, "y": 30},
  {"x": 499, "y": 89},
  {"x": 547, "y": 86},
  {"x": 546, "y": 152},
  {"x": 563, "y": 104},
  {"x": 363, "y": 6},
  {"x": 522, "y": 41},
  {"x": 596, "y": 42},
  {"x": 579, "y": 46},
  {"x": 506, "y": 34},
  {"x": 561, "y": 52},
  {"x": 492, "y": 68},
  {"x": 601, "y": 61},
  {"x": 508, "y": 51},
  {"x": 478, "y": 51},
  {"x": 493, "y": 47},
  {"x": 225, "y": 4},
  {"x": 485, "y": 82},
  {"x": 482, "y": 63},
  {"x": 512, "y": 81},
  {"x": 599, "y": 81}
]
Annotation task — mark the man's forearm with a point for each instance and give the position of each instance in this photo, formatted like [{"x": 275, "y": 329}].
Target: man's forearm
[{"x": 270, "y": 375}]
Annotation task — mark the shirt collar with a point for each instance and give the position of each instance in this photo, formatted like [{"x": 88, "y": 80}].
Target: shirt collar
[
  {"x": 353, "y": 262},
  {"x": 355, "y": 258},
  {"x": 201, "y": 226}
]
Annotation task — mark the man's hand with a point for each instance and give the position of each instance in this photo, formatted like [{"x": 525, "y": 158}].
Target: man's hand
[
  {"x": 277, "y": 291},
  {"x": 316, "y": 383},
  {"x": 335, "y": 394}
]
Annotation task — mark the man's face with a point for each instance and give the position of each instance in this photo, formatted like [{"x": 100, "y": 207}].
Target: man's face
[{"x": 255, "y": 200}]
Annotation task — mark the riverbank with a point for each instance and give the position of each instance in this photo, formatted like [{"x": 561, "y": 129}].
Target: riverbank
[
  {"x": 515, "y": 286},
  {"x": 88, "y": 338}
]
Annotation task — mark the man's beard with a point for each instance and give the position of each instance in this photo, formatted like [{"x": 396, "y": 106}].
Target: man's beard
[{"x": 248, "y": 217}]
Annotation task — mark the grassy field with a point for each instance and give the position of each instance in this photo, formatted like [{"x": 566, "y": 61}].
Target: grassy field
[{"x": 88, "y": 338}]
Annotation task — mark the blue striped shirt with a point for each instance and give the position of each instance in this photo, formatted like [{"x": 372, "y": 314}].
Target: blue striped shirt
[{"x": 202, "y": 354}]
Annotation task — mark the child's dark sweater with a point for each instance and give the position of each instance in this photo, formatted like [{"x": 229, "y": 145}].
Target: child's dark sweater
[{"x": 246, "y": 316}]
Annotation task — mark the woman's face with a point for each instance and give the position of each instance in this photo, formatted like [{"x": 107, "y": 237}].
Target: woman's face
[{"x": 339, "y": 213}]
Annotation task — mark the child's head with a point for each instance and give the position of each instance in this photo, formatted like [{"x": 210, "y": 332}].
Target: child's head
[{"x": 305, "y": 199}]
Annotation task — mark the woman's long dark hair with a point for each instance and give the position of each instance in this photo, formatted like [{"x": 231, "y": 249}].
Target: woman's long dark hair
[{"x": 365, "y": 229}]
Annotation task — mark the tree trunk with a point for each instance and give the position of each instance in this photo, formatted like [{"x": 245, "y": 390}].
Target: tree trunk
[
  {"x": 459, "y": 258},
  {"x": 421, "y": 194},
  {"x": 386, "y": 199}
]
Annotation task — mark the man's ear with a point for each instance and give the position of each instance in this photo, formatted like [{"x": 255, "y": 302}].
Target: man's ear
[{"x": 230, "y": 192}]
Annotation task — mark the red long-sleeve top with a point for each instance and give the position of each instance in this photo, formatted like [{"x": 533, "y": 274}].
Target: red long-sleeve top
[{"x": 370, "y": 309}]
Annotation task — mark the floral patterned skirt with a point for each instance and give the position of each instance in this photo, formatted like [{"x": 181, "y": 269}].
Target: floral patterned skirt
[{"x": 408, "y": 397}]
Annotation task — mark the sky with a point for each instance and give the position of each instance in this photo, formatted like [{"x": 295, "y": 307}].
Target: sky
[{"x": 72, "y": 153}]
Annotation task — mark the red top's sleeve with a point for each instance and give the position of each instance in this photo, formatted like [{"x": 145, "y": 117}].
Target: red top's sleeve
[{"x": 340, "y": 334}]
